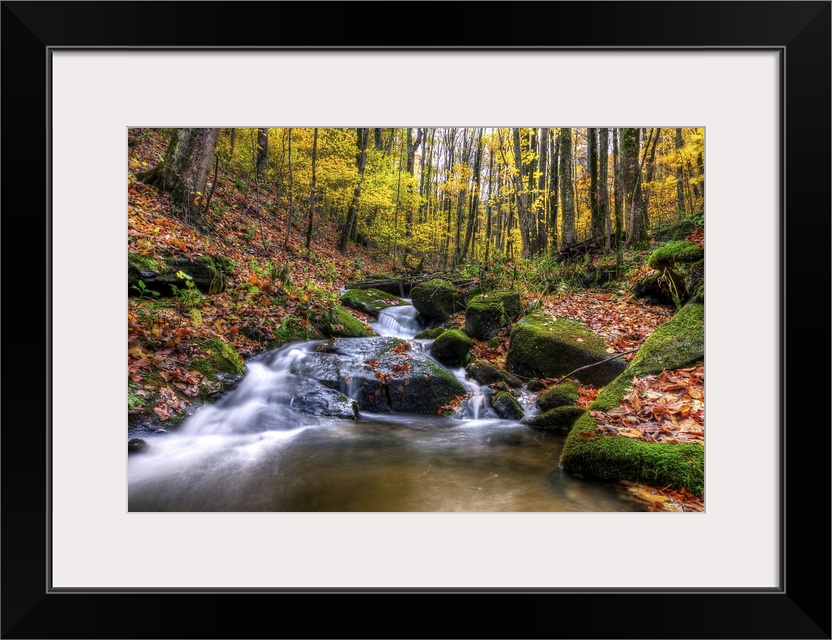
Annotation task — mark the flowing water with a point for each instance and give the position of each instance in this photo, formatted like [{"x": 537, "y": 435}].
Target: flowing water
[{"x": 254, "y": 451}]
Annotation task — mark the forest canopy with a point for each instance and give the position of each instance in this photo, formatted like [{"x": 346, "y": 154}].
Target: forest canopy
[{"x": 448, "y": 196}]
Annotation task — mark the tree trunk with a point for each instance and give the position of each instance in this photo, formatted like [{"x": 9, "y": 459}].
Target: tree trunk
[
  {"x": 541, "y": 239},
  {"x": 567, "y": 194},
  {"x": 233, "y": 140},
  {"x": 312, "y": 189},
  {"x": 603, "y": 191},
  {"x": 521, "y": 195},
  {"x": 618, "y": 196},
  {"x": 631, "y": 185},
  {"x": 596, "y": 216},
  {"x": 398, "y": 198},
  {"x": 363, "y": 136},
  {"x": 554, "y": 152},
  {"x": 291, "y": 194},
  {"x": 680, "y": 176},
  {"x": 488, "y": 205},
  {"x": 462, "y": 196},
  {"x": 262, "y": 151},
  {"x": 184, "y": 171},
  {"x": 474, "y": 204},
  {"x": 652, "y": 142},
  {"x": 412, "y": 148}
]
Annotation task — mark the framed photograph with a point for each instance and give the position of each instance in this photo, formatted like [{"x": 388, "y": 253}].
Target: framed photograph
[{"x": 754, "y": 77}]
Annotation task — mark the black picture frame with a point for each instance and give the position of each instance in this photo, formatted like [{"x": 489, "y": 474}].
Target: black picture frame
[{"x": 800, "y": 608}]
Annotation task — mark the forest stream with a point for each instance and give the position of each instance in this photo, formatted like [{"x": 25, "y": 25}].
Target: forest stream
[{"x": 253, "y": 451}]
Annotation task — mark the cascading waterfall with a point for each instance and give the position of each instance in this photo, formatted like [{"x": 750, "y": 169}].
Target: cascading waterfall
[
  {"x": 282, "y": 441},
  {"x": 399, "y": 322}
]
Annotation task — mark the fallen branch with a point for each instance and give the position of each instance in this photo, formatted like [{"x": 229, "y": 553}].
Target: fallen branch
[{"x": 587, "y": 366}]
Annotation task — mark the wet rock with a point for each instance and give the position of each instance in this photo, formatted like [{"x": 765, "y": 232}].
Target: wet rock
[
  {"x": 137, "y": 445},
  {"x": 506, "y": 406},
  {"x": 370, "y": 301},
  {"x": 486, "y": 373},
  {"x": 209, "y": 273},
  {"x": 451, "y": 348},
  {"x": 317, "y": 400},
  {"x": 558, "y": 419},
  {"x": 382, "y": 374}
]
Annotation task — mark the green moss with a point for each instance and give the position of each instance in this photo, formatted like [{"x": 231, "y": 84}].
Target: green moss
[
  {"x": 436, "y": 299},
  {"x": 678, "y": 343},
  {"x": 430, "y": 334},
  {"x": 547, "y": 347},
  {"x": 564, "y": 394},
  {"x": 370, "y": 301},
  {"x": 487, "y": 313},
  {"x": 451, "y": 348},
  {"x": 612, "y": 457},
  {"x": 486, "y": 373},
  {"x": 223, "y": 358},
  {"x": 154, "y": 379},
  {"x": 506, "y": 406},
  {"x": 134, "y": 402},
  {"x": 494, "y": 342},
  {"x": 672, "y": 253},
  {"x": 338, "y": 322},
  {"x": 555, "y": 419},
  {"x": 290, "y": 330},
  {"x": 145, "y": 263}
]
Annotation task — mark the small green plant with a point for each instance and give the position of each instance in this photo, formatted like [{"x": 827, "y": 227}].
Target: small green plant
[
  {"x": 698, "y": 219},
  {"x": 188, "y": 298},
  {"x": 144, "y": 292},
  {"x": 147, "y": 306}
]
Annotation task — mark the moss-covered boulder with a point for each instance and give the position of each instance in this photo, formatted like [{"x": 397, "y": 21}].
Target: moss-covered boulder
[
  {"x": 430, "y": 334},
  {"x": 674, "y": 254},
  {"x": 371, "y": 301},
  {"x": 436, "y": 299},
  {"x": 506, "y": 406},
  {"x": 680, "y": 342},
  {"x": 338, "y": 322},
  {"x": 561, "y": 395},
  {"x": 486, "y": 373},
  {"x": 678, "y": 273},
  {"x": 209, "y": 273},
  {"x": 613, "y": 457},
  {"x": 451, "y": 348},
  {"x": 487, "y": 313},
  {"x": 558, "y": 419},
  {"x": 547, "y": 347}
]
